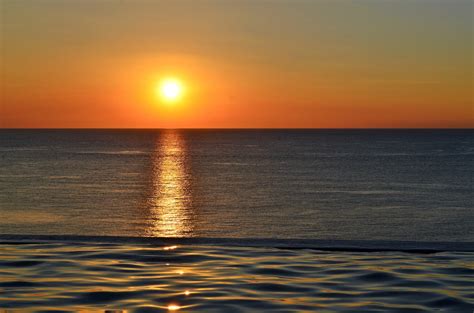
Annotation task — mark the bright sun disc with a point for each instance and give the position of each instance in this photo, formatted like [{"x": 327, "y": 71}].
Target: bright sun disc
[{"x": 170, "y": 90}]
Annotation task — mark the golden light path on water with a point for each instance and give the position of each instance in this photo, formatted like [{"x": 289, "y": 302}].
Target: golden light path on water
[{"x": 169, "y": 204}]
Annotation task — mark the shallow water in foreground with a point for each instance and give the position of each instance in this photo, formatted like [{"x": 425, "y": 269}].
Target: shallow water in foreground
[{"x": 147, "y": 278}]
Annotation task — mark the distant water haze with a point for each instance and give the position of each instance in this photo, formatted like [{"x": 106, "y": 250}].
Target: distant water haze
[{"x": 313, "y": 184}]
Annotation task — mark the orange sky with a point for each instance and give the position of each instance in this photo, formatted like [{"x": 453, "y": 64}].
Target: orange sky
[{"x": 269, "y": 64}]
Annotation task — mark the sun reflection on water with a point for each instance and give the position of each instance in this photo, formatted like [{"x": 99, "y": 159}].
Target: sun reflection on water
[
  {"x": 170, "y": 199},
  {"x": 173, "y": 307},
  {"x": 170, "y": 247}
]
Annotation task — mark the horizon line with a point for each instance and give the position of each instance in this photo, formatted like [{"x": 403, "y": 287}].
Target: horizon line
[{"x": 236, "y": 128}]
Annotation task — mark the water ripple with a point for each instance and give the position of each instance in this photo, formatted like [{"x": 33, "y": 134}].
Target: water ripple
[{"x": 130, "y": 277}]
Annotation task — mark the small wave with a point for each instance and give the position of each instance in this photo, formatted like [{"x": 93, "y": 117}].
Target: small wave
[
  {"x": 232, "y": 163},
  {"x": 316, "y": 244},
  {"x": 18, "y": 175},
  {"x": 22, "y": 149},
  {"x": 121, "y": 152},
  {"x": 361, "y": 192},
  {"x": 24, "y": 217},
  {"x": 64, "y": 177},
  {"x": 129, "y": 277}
]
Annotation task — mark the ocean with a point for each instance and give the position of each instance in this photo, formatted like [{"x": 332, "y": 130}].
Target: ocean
[
  {"x": 414, "y": 185},
  {"x": 236, "y": 220}
]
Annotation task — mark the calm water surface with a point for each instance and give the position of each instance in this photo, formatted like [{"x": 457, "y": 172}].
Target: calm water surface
[{"x": 320, "y": 184}]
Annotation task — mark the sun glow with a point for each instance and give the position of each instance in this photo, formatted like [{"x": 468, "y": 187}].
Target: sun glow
[{"x": 170, "y": 90}]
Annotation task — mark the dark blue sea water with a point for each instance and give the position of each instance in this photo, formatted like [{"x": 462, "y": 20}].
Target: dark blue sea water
[{"x": 414, "y": 185}]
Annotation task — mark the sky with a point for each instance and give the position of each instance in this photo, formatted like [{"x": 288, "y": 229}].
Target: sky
[{"x": 242, "y": 64}]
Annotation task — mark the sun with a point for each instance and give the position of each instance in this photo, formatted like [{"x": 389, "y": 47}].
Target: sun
[{"x": 170, "y": 89}]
